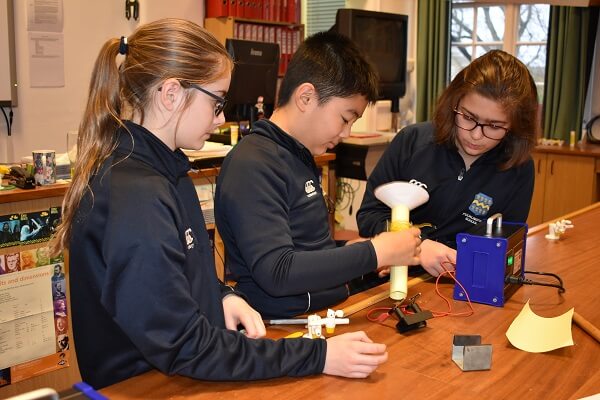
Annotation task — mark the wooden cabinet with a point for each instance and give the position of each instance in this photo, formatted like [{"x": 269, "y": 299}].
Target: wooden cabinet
[
  {"x": 536, "y": 212},
  {"x": 565, "y": 180}
]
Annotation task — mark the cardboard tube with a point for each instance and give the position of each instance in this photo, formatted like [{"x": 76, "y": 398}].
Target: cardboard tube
[
  {"x": 399, "y": 273},
  {"x": 586, "y": 326}
]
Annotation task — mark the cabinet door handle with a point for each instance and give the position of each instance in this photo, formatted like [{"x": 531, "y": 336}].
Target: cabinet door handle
[
  {"x": 552, "y": 167},
  {"x": 539, "y": 167}
]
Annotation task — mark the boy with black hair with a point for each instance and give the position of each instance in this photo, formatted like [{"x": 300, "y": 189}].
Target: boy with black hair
[{"x": 269, "y": 205}]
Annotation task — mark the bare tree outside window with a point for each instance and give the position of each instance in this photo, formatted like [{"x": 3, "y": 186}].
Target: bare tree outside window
[
  {"x": 519, "y": 29},
  {"x": 531, "y": 41}
]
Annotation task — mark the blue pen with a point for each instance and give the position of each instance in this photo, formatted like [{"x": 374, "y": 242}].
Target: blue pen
[{"x": 89, "y": 391}]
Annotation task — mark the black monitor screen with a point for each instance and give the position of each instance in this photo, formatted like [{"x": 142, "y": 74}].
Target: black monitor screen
[
  {"x": 382, "y": 37},
  {"x": 254, "y": 75}
]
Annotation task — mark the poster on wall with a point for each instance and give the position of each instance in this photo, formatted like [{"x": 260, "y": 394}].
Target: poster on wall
[
  {"x": 46, "y": 43},
  {"x": 33, "y": 321},
  {"x": 34, "y": 336}
]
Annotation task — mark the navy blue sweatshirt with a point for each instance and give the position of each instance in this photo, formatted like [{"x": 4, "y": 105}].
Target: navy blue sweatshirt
[
  {"x": 458, "y": 199},
  {"x": 144, "y": 290},
  {"x": 272, "y": 216}
]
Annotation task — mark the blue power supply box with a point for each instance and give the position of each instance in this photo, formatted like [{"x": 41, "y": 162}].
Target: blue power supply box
[{"x": 486, "y": 258}]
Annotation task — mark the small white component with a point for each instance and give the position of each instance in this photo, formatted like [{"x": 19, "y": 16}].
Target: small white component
[{"x": 558, "y": 228}]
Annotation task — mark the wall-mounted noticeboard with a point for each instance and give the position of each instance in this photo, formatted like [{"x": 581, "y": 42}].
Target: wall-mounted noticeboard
[{"x": 8, "y": 70}]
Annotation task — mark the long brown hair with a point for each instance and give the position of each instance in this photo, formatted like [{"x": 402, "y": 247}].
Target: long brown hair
[
  {"x": 167, "y": 48},
  {"x": 501, "y": 77}
]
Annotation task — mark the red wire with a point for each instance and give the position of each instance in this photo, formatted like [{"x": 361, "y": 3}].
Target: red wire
[
  {"x": 438, "y": 314},
  {"x": 383, "y": 313}
]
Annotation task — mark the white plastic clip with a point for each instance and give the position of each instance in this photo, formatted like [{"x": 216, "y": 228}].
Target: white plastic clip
[
  {"x": 315, "y": 323},
  {"x": 558, "y": 228}
]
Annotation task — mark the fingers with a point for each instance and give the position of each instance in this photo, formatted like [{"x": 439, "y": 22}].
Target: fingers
[
  {"x": 451, "y": 258},
  {"x": 398, "y": 248},
  {"x": 365, "y": 365},
  {"x": 254, "y": 325},
  {"x": 353, "y": 355},
  {"x": 385, "y": 271},
  {"x": 433, "y": 270},
  {"x": 370, "y": 348},
  {"x": 230, "y": 323},
  {"x": 362, "y": 344},
  {"x": 361, "y": 336},
  {"x": 371, "y": 360},
  {"x": 366, "y": 358},
  {"x": 439, "y": 268},
  {"x": 237, "y": 311},
  {"x": 437, "y": 258},
  {"x": 414, "y": 231}
]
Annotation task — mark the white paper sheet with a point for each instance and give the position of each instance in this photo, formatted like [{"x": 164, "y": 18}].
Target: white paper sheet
[
  {"x": 26, "y": 316},
  {"x": 45, "y": 15},
  {"x": 46, "y": 59}
]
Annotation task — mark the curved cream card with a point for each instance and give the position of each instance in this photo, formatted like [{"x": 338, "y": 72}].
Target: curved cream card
[{"x": 535, "y": 334}]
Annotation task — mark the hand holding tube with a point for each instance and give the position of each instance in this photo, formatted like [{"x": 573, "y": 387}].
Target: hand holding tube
[{"x": 397, "y": 248}]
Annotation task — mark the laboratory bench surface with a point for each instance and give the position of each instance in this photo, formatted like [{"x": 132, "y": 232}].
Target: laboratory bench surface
[{"x": 420, "y": 365}]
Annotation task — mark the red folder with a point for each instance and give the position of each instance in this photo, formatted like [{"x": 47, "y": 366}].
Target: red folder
[
  {"x": 276, "y": 10},
  {"x": 260, "y": 7},
  {"x": 266, "y": 11},
  {"x": 283, "y": 10},
  {"x": 241, "y": 8},
  {"x": 232, "y": 12},
  {"x": 247, "y": 9},
  {"x": 217, "y": 8},
  {"x": 293, "y": 11}
]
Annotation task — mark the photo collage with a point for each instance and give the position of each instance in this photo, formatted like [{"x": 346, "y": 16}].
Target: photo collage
[{"x": 17, "y": 230}]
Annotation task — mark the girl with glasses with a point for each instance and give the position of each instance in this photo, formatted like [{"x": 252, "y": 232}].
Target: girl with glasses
[
  {"x": 143, "y": 285},
  {"x": 473, "y": 157}
]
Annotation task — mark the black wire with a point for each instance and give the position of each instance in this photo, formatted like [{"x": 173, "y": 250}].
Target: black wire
[
  {"x": 558, "y": 278},
  {"x": 524, "y": 281},
  {"x": 345, "y": 194},
  {"x": 559, "y": 287}
]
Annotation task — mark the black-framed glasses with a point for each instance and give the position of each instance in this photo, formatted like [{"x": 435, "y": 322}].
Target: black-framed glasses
[
  {"x": 220, "y": 101},
  {"x": 490, "y": 131}
]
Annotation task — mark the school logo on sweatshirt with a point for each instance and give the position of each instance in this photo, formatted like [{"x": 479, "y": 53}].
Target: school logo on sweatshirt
[
  {"x": 481, "y": 204},
  {"x": 189, "y": 238},
  {"x": 309, "y": 188}
]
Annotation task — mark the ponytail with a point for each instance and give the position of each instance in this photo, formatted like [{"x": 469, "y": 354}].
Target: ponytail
[
  {"x": 162, "y": 49},
  {"x": 96, "y": 139}
]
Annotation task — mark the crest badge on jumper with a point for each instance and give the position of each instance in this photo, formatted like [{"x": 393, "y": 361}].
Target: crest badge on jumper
[
  {"x": 189, "y": 238},
  {"x": 481, "y": 204},
  {"x": 309, "y": 188}
]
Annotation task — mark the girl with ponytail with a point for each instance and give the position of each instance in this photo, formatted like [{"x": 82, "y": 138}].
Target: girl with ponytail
[{"x": 143, "y": 285}]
